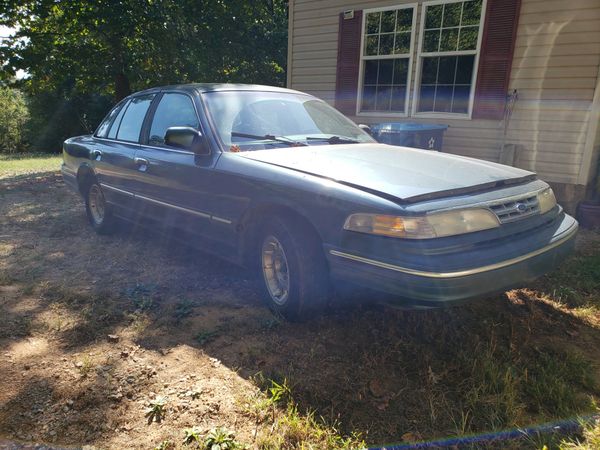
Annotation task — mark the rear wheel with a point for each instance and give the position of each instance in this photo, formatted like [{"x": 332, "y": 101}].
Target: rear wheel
[
  {"x": 294, "y": 273},
  {"x": 99, "y": 212}
]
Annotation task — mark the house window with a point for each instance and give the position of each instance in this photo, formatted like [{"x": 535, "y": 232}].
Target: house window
[
  {"x": 448, "y": 51},
  {"x": 386, "y": 59}
]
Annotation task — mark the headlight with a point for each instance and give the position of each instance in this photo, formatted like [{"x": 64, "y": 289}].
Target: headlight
[
  {"x": 546, "y": 200},
  {"x": 446, "y": 223}
]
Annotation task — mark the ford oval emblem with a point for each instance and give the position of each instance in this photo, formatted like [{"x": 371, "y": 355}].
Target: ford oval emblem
[{"x": 521, "y": 207}]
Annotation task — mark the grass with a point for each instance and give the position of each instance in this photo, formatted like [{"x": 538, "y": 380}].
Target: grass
[
  {"x": 552, "y": 383},
  {"x": 577, "y": 285},
  {"x": 589, "y": 439},
  {"x": 28, "y": 163},
  {"x": 291, "y": 429}
]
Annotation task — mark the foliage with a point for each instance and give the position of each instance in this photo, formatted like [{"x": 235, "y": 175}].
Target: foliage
[
  {"x": 82, "y": 55},
  {"x": 221, "y": 439},
  {"x": 61, "y": 113},
  {"x": 280, "y": 392},
  {"x": 191, "y": 435},
  {"x": 13, "y": 116},
  {"x": 156, "y": 410}
]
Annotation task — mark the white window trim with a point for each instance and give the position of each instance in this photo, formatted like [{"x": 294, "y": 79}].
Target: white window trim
[
  {"x": 363, "y": 59},
  {"x": 420, "y": 54}
]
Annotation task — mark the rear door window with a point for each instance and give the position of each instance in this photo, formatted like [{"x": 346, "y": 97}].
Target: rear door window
[
  {"x": 133, "y": 118},
  {"x": 174, "y": 110}
]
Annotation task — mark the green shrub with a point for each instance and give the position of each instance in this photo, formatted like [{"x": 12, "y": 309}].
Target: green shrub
[{"x": 13, "y": 117}]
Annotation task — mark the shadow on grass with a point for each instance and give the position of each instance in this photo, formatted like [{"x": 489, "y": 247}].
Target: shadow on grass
[{"x": 393, "y": 375}]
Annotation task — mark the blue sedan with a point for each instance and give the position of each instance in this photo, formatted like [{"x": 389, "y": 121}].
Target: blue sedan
[{"x": 280, "y": 181}]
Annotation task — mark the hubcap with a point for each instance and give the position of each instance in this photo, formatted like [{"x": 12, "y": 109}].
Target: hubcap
[
  {"x": 275, "y": 270},
  {"x": 97, "y": 206}
]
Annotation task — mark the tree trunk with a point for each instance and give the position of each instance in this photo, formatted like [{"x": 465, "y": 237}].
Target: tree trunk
[{"x": 122, "y": 88}]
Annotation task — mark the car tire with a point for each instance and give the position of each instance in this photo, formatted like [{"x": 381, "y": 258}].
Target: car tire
[
  {"x": 293, "y": 270},
  {"x": 98, "y": 211}
]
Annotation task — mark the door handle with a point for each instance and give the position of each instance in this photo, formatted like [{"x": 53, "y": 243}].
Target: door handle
[
  {"x": 141, "y": 163},
  {"x": 96, "y": 154}
]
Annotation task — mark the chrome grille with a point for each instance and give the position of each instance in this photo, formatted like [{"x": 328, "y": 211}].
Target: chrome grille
[{"x": 516, "y": 209}]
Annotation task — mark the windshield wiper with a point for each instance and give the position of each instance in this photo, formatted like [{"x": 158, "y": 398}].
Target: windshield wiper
[
  {"x": 269, "y": 137},
  {"x": 333, "y": 140}
]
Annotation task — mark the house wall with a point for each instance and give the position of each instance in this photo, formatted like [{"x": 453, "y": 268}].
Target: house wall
[{"x": 555, "y": 70}]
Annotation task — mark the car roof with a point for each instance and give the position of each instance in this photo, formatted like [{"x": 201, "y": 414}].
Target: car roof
[{"x": 212, "y": 87}]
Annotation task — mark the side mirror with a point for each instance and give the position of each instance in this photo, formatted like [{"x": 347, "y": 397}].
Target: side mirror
[
  {"x": 366, "y": 128},
  {"x": 186, "y": 138}
]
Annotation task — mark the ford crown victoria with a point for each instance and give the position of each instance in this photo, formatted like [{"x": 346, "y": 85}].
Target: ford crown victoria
[{"x": 278, "y": 180}]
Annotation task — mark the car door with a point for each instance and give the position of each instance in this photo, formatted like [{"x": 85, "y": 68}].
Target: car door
[
  {"x": 114, "y": 154},
  {"x": 175, "y": 185}
]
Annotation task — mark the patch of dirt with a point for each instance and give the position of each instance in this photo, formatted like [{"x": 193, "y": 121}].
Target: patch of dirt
[{"x": 94, "y": 328}]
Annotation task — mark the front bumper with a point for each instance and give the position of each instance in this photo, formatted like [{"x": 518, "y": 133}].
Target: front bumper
[{"x": 438, "y": 288}]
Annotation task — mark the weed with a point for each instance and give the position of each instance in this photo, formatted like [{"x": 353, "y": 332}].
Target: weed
[
  {"x": 156, "y": 410},
  {"x": 165, "y": 445},
  {"x": 269, "y": 323},
  {"x": 183, "y": 309},
  {"x": 280, "y": 392},
  {"x": 85, "y": 366},
  {"x": 142, "y": 296},
  {"x": 258, "y": 407},
  {"x": 192, "y": 435},
  {"x": 221, "y": 439},
  {"x": 204, "y": 337},
  {"x": 139, "y": 322}
]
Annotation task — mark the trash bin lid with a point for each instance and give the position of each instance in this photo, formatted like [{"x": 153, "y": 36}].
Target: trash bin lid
[{"x": 403, "y": 127}]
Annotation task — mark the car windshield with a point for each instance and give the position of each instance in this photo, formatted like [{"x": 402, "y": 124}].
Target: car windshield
[{"x": 255, "y": 120}]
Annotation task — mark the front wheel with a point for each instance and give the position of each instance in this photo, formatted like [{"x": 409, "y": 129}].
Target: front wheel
[
  {"x": 294, "y": 271},
  {"x": 98, "y": 212}
]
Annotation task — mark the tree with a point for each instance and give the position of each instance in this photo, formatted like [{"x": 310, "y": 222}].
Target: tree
[
  {"x": 107, "y": 48},
  {"x": 13, "y": 116},
  {"x": 113, "y": 46}
]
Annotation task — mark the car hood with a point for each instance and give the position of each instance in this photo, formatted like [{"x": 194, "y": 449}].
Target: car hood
[{"x": 400, "y": 173}]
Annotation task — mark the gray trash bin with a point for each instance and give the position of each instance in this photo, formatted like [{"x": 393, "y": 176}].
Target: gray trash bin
[{"x": 408, "y": 134}]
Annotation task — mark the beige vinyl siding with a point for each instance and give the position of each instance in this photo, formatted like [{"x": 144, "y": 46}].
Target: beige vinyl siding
[{"x": 555, "y": 70}]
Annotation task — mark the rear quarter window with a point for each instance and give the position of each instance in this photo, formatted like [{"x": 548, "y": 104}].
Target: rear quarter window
[{"x": 102, "y": 130}]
